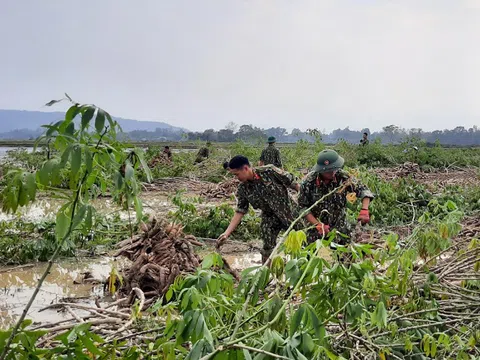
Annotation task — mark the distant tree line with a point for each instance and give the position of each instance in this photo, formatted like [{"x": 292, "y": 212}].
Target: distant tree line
[{"x": 391, "y": 134}]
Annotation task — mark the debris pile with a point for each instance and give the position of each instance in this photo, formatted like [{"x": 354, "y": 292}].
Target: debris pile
[
  {"x": 437, "y": 178},
  {"x": 174, "y": 184},
  {"x": 158, "y": 255},
  {"x": 404, "y": 170},
  {"x": 160, "y": 159},
  {"x": 222, "y": 190}
]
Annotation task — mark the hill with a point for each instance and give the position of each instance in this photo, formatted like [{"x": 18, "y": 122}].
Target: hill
[{"x": 22, "y": 124}]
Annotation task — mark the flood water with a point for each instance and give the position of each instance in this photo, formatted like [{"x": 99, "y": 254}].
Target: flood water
[{"x": 17, "y": 285}]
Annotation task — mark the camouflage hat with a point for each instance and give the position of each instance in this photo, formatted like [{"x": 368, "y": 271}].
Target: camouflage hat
[
  {"x": 271, "y": 139},
  {"x": 209, "y": 143},
  {"x": 328, "y": 160}
]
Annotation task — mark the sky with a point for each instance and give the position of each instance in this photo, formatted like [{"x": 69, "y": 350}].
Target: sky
[{"x": 292, "y": 63}]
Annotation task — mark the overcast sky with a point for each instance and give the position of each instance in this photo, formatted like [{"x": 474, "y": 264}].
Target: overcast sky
[{"x": 204, "y": 63}]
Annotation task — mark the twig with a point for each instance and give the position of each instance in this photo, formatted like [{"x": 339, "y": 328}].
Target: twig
[
  {"x": 134, "y": 335},
  {"x": 141, "y": 296},
  {"x": 70, "y": 311},
  {"x": 88, "y": 308},
  {"x": 416, "y": 327}
]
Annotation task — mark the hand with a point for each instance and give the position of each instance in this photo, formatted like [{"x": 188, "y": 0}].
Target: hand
[
  {"x": 221, "y": 240},
  {"x": 323, "y": 229},
  {"x": 364, "y": 216}
]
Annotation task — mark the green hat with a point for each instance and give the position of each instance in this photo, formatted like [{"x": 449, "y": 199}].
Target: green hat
[
  {"x": 328, "y": 160},
  {"x": 209, "y": 143},
  {"x": 271, "y": 139}
]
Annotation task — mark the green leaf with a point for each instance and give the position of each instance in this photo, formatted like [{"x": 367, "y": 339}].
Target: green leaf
[
  {"x": 100, "y": 121},
  {"x": 45, "y": 173},
  {"x": 169, "y": 294},
  {"x": 129, "y": 172},
  {"x": 80, "y": 212},
  {"x": 88, "y": 218},
  {"x": 70, "y": 130},
  {"x": 145, "y": 167},
  {"x": 433, "y": 348},
  {"x": 118, "y": 180},
  {"x": 66, "y": 155},
  {"x": 72, "y": 112},
  {"x": 110, "y": 120},
  {"x": 247, "y": 355},
  {"x": 138, "y": 208},
  {"x": 76, "y": 160},
  {"x": 87, "y": 115},
  {"x": 381, "y": 315},
  {"x": 296, "y": 319},
  {"x": 72, "y": 336},
  {"x": 31, "y": 186},
  {"x": 62, "y": 224},
  {"x": 22, "y": 198},
  {"x": 90, "y": 345}
]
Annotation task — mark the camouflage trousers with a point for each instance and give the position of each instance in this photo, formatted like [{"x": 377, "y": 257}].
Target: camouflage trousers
[
  {"x": 200, "y": 159},
  {"x": 270, "y": 227}
]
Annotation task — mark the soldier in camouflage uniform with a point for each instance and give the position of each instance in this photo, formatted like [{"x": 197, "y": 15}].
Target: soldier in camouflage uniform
[
  {"x": 167, "y": 153},
  {"x": 203, "y": 153},
  {"x": 271, "y": 155},
  {"x": 364, "y": 140},
  {"x": 331, "y": 213},
  {"x": 265, "y": 188}
]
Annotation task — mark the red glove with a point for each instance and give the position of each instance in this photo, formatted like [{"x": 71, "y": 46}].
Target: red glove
[
  {"x": 364, "y": 216},
  {"x": 323, "y": 229}
]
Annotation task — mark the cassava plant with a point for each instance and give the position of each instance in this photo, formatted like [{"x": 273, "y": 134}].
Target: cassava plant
[{"x": 85, "y": 145}]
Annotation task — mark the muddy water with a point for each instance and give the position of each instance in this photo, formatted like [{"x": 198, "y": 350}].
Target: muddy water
[
  {"x": 45, "y": 208},
  {"x": 17, "y": 285}
]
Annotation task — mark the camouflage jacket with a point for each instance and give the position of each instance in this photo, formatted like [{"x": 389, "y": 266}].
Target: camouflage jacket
[
  {"x": 271, "y": 155},
  {"x": 269, "y": 193},
  {"x": 203, "y": 152},
  {"x": 167, "y": 153},
  {"x": 332, "y": 210}
]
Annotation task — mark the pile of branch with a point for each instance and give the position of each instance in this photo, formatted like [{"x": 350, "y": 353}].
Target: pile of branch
[
  {"x": 222, "y": 190},
  {"x": 174, "y": 184},
  {"x": 440, "y": 178},
  {"x": 401, "y": 171},
  {"x": 158, "y": 256},
  {"x": 159, "y": 160},
  {"x": 110, "y": 321}
]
